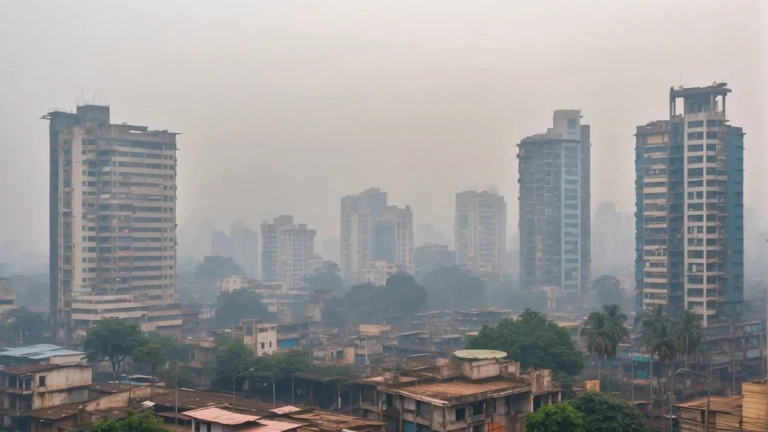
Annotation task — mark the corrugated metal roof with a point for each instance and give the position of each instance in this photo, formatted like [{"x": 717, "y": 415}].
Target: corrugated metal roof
[
  {"x": 38, "y": 352},
  {"x": 218, "y": 415},
  {"x": 271, "y": 426}
]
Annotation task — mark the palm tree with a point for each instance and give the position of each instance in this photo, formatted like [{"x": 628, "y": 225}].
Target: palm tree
[
  {"x": 664, "y": 344},
  {"x": 617, "y": 320},
  {"x": 689, "y": 335},
  {"x": 599, "y": 336},
  {"x": 648, "y": 320}
]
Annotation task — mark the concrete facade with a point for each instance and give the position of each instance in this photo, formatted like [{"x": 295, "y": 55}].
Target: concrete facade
[
  {"x": 689, "y": 207},
  {"x": 480, "y": 233},
  {"x": 112, "y": 213},
  {"x": 7, "y": 296},
  {"x": 371, "y": 230},
  {"x": 555, "y": 222},
  {"x": 287, "y": 250},
  {"x": 260, "y": 337}
]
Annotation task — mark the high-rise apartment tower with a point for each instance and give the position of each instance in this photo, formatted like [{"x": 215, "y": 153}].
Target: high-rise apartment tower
[
  {"x": 112, "y": 219},
  {"x": 480, "y": 232},
  {"x": 554, "y": 206},
  {"x": 287, "y": 250},
  {"x": 373, "y": 231},
  {"x": 689, "y": 207}
]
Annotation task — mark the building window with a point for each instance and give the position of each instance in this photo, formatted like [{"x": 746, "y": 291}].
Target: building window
[
  {"x": 461, "y": 413},
  {"x": 477, "y": 428},
  {"x": 262, "y": 345},
  {"x": 477, "y": 408},
  {"x": 270, "y": 344},
  {"x": 41, "y": 381}
]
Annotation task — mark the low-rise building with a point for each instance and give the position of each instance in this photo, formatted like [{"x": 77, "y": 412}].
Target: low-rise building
[
  {"x": 747, "y": 412},
  {"x": 34, "y": 386},
  {"x": 234, "y": 283},
  {"x": 41, "y": 353},
  {"x": 377, "y": 272},
  {"x": 259, "y": 336},
  {"x": 215, "y": 419},
  {"x": 478, "y": 396}
]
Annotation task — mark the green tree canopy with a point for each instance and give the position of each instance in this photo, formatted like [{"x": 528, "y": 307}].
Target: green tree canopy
[
  {"x": 401, "y": 295},
  {"x": 326, "y": 278},
  {"x": 451, "y": 288},
  {"x": 112, "y": 339},
  {"x": 534, "y": 342},
  {"x": 216, "y": 267},
  {"x": 241, "y": 304},
  {"x": 430, "y": 257},
  {"x": 607, "y": 290},
  {"x": 233, "y": 360},
  {"x": 606, "y": 413},
  {"x": 556, "y": 418},
  {"x": 153, "y": 356},
  {"x": 22, "y": 327},
  {"x": 144, "y": 421}
]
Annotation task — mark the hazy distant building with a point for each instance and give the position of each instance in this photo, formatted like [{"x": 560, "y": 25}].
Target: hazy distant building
[
  {"x": 612, "y": 234},
  {"x": 373, "y": 231},
  {"x": 244, "y": 243},
  {"x": 689, "y": 207},
  {"x": 480, "y": 232},
  {"x": 554, "y": 175},
  {"x": 220, "y": 244},
  {"x": 112, "y": 218},
  {"x": 429, "y": 257},
  {"x": 7, "y": 296},
  {"x": 287, "y": 250}
]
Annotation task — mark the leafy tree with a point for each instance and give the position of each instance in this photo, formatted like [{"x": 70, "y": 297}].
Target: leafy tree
[
  {"x": 177, "y": 375},
  {"x": 22, "y": 326},
  {"x": 647, "y": 321},
  {"x": 605, "y": 413},
  {"x": 608, "y": 290},
  {"x": 451, "y": 288},
  {"x": 144, "y": 421},
  {"x": 401, "y": 295},
  {"x": 326, "y": 278},
  {"x": 216, "y": 267},
  {"x": 335, "y": 310},
  {"x": 173, "y": 347},
  {"x": 234, "y": 359},
  {"x": 114, "y": 340},
  {"x": 241, "y": 304},
  {"x": 533, "y": 341},
  {"x": 430, "y": 257},
  {"x": 556, "y": 418},
  {"x": 152, "y": 355}
]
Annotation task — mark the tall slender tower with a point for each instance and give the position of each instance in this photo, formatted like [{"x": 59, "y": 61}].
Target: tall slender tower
[
  {"x": 554, "y": 206},
  {"x": 689, "y": 206},
  {"x": 480, "y": 233},
  {"x": 112, "y": 219}
]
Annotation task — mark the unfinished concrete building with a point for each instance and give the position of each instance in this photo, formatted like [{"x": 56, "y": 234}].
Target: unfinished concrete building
[
  {"x": 480, "y": 233},
  {"x": 554, "y": 221},
  {"x": 478, "y": 396},
  {"x": 112, "y": 214},
  {"x": 689, "y": 208}
]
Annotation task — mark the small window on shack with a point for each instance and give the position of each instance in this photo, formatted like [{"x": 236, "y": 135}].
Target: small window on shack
[
  {"x": 41, "y": 381},
  {"x": 461, "y": 413}
]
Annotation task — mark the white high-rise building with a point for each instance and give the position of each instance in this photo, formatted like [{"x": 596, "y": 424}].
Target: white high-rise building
[
  {"x": 373, "y": 231},
  {"x": 480, "y": 232},
  {"x": 287, "y": 251},
  {"x": 112, "y": 220}
]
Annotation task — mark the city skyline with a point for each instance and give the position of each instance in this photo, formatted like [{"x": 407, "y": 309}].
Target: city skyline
[{"x": 420, "y": 120}]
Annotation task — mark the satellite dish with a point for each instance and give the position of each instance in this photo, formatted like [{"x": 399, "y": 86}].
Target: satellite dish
[{"x": 479, "y": 354}]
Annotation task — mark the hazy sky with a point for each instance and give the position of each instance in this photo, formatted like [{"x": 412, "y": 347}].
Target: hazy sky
[{"x": 284, "y": 106}]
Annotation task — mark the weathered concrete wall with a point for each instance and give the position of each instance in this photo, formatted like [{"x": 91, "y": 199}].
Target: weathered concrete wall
[
  {"x": 480, "y": 369},
  {"x": 63, "y": 378},
  {"x": 119, "y": 400}
]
